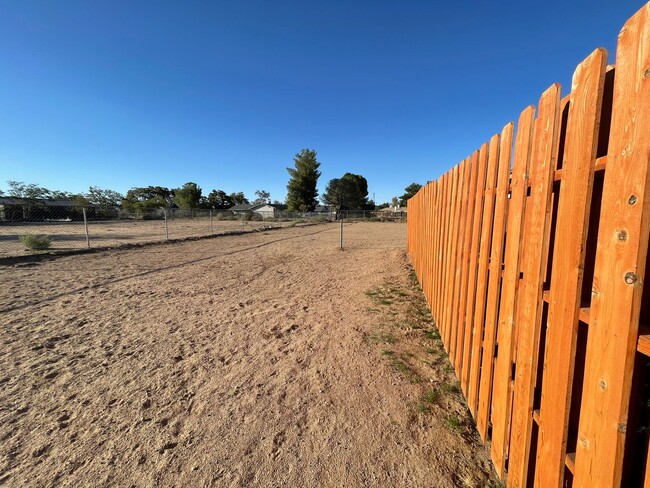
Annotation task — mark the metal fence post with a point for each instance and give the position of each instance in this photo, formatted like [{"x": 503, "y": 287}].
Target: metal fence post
[
  {"x": 166, "y": 229},
  {"x": 211, "y": 229},
  {"x": 83, "y": 210},
  {"x": 341, "y": 235}
]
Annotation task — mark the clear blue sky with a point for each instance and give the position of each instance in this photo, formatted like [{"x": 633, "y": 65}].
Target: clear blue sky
[{"x": 223, "y": 93}]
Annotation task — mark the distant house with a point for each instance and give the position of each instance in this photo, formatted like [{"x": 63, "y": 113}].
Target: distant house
[
  {"x": 324, "y": 209},
  {"x": 36, "y": 209},
  {"x": 264, "y": 210},
  {"x": 270, "y": 210},
  {"x": 242, "y": 209},
  {"x": 391, "y": 213}
]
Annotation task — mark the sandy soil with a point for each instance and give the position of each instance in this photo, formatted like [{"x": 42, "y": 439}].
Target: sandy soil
[
  {"x": 72, "y": 235},
  {"x": 268, "y": 359}
]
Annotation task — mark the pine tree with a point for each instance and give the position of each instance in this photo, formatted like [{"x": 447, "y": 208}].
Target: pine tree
[{"x": 302, "y": 193}]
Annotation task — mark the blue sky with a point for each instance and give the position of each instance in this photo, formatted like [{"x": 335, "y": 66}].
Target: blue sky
[{"x": 120, "y": 94}]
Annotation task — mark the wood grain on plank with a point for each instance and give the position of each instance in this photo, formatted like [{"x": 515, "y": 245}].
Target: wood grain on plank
[
  {"x": 494, "y": 283},
  {"x": 542, "y": 165},
  {"x": 455, "y": 272},
  {"x": 503, "y": 369},
  {"x": 441, "y": 250},
  {"x": 451, "y": 270},
  {"x": 473, "y": 267},
  {"x": 568, "y": 265},
  {"x": 620, "y": 265},
  {"x": 482, "y": 277},
  {"x": 467, "y": 248},
  {"x": 460, "y": 254}
]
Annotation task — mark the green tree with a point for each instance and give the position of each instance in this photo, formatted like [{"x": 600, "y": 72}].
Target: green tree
[
  {"x": 28, "y": 191},
  {"x": 302, "y": 194},
  {"x": 239, "y": 198},
  {"x": 104, "y": 198},
  {"x": 410, "y": 190},
  {"x": 350, "y": 192},
  {"x": 263, "y": 196},
  {"x": 394, "y": 202},
  {"x": 219, "y": 199},
  {"x": 188, "y": 196},
  {"x": 140, "y": 199}
]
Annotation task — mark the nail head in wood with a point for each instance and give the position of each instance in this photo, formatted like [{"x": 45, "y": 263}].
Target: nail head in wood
[{"x": 631, "y": 278}]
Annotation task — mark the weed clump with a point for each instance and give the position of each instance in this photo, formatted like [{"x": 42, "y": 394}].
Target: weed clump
[
  {"x": 35, "y": 242},
  {"x": 453, "y": 423}
]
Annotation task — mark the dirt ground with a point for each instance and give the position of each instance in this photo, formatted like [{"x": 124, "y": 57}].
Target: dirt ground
[
  {"x": 267, "y": 359},
  {"x": 71, "y": 235}
]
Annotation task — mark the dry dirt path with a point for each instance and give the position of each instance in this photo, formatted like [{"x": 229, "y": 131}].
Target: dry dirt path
[{"x": 234, "y": 361}]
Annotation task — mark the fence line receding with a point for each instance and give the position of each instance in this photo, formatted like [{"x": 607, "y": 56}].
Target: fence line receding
[{"x": 532, "y": 254}]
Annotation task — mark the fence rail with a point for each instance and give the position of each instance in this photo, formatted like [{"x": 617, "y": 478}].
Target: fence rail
[{"x": 534, "y": 265}]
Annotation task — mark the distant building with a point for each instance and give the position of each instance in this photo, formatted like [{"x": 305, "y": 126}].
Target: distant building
[
  {"x": 264, "y": 210},
  {"x": 391, "y": 213},
  {"x": 37, "y": 209}
]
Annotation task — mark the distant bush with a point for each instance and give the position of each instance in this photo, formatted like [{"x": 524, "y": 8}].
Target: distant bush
[
  {"x": 248, "y": 216},
  {"x": 35, "y": 242}
]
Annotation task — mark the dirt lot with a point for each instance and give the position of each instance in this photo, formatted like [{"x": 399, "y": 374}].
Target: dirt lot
[
  {"x": 268, "y": 359},
  {"x": 71, "y": 235}
]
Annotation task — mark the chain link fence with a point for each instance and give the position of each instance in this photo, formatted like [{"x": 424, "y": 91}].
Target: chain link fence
[{"x": 27, "y": 228}]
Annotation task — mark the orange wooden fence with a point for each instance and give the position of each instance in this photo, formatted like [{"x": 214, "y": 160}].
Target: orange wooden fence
[{"x": 532, "y": 254}]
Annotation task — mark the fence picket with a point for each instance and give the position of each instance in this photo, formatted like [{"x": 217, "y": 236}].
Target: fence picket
[
  {"x": 473, "y": 267},
  {"x": 482, "y": 282},
  {"x": 494, "y": 283},
  {"x": 467, "y": 246},
  {"x": 505, "y": 335},
  {"x": 620, "y": 265},
  {"x": 507, "y": 261},
  {"x": 568, "y": 264}
]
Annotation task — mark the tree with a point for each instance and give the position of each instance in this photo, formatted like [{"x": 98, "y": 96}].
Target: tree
[
  {"x": 188, "y": 196},
  {"x": 239, "y": 198},
  {"x": 336, "y": 193},
  {"x": 350, "y": 192},
  {"x": 302, "y": 194},
  {"x": 219, "y": 199},
  {"x": 28, "y": 191},
  {"x": 394, "y": 202},
  {"x": 410, "y": 190},
  {"x": 103, "y": 198},
  {"x": 262, "y": 197},
  {"x": 146, "y": 198}
]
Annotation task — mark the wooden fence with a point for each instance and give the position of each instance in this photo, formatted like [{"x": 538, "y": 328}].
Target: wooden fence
[{"x": 532, "y": 254}]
